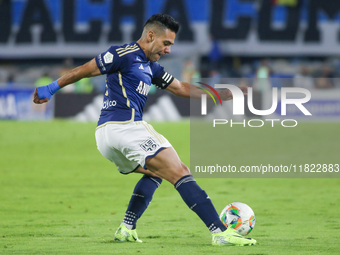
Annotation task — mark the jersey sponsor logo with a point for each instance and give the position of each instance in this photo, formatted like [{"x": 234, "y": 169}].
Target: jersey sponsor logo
[
  {"x": 108, "y": 58},
  {"x": 149, "y": 145},
  {"x": 143, "y": 88},
  {"x": 109, "y": 103}
]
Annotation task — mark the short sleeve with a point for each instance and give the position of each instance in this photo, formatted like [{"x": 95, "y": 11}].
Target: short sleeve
[
  {"x": 109, "y": 61},
  {"x": 157, "y": 69}
]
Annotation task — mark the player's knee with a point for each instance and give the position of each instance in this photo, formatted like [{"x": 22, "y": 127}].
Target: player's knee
[
  {"x": 155, "y": 175},
  {"x": 182, "y": 170},
  {"x": 185, "y": 169}
]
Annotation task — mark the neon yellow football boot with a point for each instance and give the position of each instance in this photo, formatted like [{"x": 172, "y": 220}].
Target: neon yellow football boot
[
  {"x": 231, "y": 238},
  {"x": 125, "y": 235}
]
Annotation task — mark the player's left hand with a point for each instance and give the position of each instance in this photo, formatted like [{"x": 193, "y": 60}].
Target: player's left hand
[
  {"x": 37, "y": 100},
  {"x": 227, "y": 95}
]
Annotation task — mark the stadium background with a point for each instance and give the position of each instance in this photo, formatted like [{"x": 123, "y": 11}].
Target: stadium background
[
  {"x": 57, "y": 190},
  {"x": 42, "y": 39}
]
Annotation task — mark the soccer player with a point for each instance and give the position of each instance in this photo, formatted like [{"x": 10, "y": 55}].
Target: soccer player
[{"x": 131, "y": 143}]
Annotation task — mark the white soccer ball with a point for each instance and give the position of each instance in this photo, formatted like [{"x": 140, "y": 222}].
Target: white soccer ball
[{"x": 238, "y": 216}]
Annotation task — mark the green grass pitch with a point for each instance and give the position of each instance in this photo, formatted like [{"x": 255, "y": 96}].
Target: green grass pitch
[{"x": 58, "y": 195}]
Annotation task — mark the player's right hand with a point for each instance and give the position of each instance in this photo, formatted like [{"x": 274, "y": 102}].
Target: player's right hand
[
  {"x": 37, "y": 100},
  {"x": 44, "y": 93}
]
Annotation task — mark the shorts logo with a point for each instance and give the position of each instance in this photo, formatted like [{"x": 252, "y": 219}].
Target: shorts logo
[
  {"x": 108, "y": 57},
  {"x": 149, "y": 145}
]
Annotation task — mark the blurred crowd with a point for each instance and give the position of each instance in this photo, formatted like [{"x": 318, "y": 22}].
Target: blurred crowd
[
  {"x": 303, "y": 72},
  {"x": 309, "y": 73},
  {"x": 40, "y": 74}
]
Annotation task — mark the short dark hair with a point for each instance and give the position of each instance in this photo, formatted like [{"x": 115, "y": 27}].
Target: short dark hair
[{"x": 164, "y": 20}]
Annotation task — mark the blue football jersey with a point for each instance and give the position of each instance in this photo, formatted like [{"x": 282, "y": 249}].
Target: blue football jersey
[{"x": 129, "y": 77}]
